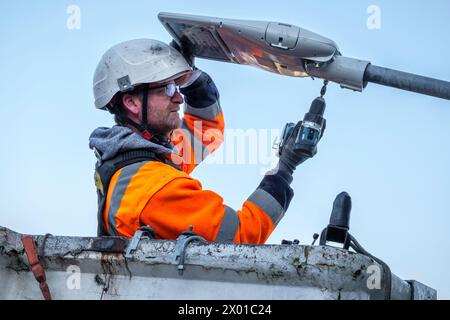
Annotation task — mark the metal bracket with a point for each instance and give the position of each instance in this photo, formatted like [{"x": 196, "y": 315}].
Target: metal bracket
[
  {"x": 180, "y": 247},
  {"x": 335, "y": 234},
  {"x": 144, "y": 233},
  {"x": 124, "y": 84}
]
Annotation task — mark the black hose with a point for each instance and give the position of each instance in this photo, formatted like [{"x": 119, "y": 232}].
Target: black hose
[
  {"x": 407, "y": 81},
  {"x": 387, "y": 271}
]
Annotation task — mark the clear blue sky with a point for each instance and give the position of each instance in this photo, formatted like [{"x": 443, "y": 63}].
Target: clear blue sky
[{"x": 389, "y": 149}]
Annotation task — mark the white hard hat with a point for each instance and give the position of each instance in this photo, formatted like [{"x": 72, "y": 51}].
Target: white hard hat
[{"x": 132, "y": 63}]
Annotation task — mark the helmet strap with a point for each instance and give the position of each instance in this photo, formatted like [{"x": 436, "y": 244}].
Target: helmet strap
[
  {"x": 144, "y": 129},
  {"x": 146, "y": 132}
]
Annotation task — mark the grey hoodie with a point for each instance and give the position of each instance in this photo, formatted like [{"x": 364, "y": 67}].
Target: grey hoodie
[{"x": 111, "y": 141}]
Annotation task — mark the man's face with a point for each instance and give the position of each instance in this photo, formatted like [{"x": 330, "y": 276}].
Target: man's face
[{"x": 162, "y": 110}]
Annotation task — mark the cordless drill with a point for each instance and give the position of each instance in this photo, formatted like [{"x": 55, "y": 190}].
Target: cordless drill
[{"x": 311, "y": 130}]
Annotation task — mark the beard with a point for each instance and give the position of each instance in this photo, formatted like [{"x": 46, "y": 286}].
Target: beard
[
  {"x": 166, "y": 122},
  {"x": 173, "y": 120}
]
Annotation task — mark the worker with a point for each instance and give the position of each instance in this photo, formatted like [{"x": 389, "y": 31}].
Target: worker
[{"x": 144, "y": 161}]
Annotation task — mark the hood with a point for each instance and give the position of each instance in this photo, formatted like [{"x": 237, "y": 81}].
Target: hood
[{"x": 111, "y": 141}]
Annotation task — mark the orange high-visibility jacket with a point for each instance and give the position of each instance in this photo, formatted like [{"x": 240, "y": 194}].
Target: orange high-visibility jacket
[{"x": 170, "y": 201}]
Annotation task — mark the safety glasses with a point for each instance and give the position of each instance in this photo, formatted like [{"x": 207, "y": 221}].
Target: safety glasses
[{"x": 170, "y": 89}]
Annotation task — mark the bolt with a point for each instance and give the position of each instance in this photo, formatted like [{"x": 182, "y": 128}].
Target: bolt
[{"x": 315, "y": 237}]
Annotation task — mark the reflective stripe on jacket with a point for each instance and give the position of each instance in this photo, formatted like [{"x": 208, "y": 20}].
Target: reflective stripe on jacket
[{"x": 156, "y": 194}]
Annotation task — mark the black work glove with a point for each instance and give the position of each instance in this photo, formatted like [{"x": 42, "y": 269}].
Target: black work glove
[
  {"x": 289, "y": 157},
  {"x": 200, "y": 91},
  {"x": 186, "y": 51}
]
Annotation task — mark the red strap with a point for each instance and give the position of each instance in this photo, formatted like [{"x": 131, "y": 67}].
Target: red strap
[
  {"x": 36, "y": 266},
  {"x": 147, "y": 135}
]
